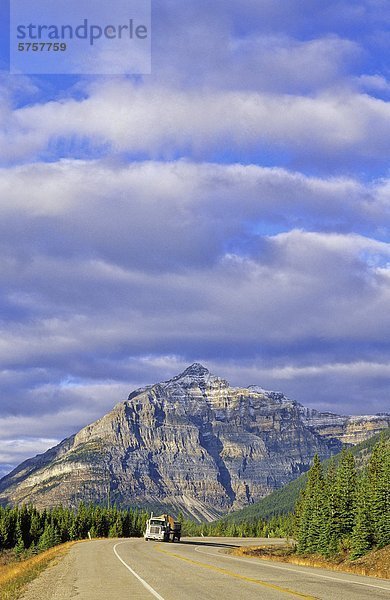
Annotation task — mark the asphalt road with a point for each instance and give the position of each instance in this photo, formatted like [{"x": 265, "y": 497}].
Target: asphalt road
[{"x": 195, "y": 569}]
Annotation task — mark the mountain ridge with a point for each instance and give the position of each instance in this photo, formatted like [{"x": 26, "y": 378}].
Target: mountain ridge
[{"x": 191, "y": 442}]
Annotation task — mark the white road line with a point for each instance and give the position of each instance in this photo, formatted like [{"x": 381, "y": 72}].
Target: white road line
[
  {"x": 142, "y": 581},
  {"x": 273, "y": 566}
]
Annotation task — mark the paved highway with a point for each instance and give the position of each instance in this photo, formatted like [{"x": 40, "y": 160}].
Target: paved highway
[{"x": 195, "y": 569}]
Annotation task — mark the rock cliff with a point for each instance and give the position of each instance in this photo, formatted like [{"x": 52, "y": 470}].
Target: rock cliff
[{"x": 193, "y": 443}]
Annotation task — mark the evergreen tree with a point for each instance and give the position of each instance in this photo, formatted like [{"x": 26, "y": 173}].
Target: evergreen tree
[
  {"x": 36, "y": 528},
  {"x": 379, "y": 492},
  {"x": 344, "y": 510},
  {"x": 49, "y": 538},
  {"x": 328, "y": 541},
  {"x": 362, "y": 537},
  {"x": 310, "y": 522},
  {"x": 345, "y": 489},
  {"x": 20, "y": 546},
  {"x": 116, "y": 529},
  {"x": 7, "y": 525}
]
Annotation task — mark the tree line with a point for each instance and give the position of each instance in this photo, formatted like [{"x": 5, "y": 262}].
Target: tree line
[
  {"x": 277, "y": 526},
  {"x": 343, "y": 509},
  {"x": 25, "y": 528}
]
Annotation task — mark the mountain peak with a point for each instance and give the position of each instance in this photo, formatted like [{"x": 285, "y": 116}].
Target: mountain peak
[
  {"x": 194, "y": 373},
  {"x": 195, "y": 370}
]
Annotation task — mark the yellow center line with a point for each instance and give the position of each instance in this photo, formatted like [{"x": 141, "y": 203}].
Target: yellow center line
[{"x": 236, "y": 575}]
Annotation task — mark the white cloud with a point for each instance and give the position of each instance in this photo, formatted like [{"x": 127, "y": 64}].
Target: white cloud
[
  {"x": 259, "y": 61},
  {"x": 373, "y": 83},
  {"x": 300, "y": 286},
  {"x": 151, "y": 241},
  {"x": 100, "y": 196},
  {"x": 21, "y": 449},
  {"x": 165, "y": 122}
]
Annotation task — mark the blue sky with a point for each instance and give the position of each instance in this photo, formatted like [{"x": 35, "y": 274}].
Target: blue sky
[{"x": 231, "y": 208}]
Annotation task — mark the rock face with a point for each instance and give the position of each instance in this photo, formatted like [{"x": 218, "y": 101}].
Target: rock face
[{"x": 193, "y": 443}]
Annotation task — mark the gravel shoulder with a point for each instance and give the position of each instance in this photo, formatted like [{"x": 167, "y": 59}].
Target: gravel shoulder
[{"x": 62, "y": 569}]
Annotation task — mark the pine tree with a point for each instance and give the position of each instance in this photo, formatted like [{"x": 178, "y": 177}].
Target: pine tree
[
  {"x": 379, "y": 491},
  {"x": 362, "y": 536},
  {"x": 20, "y": 547},
  {"x": 311, "y": 510},
  {"x": 345, "y": 495},
  {"x": 8, "y": 524},
  {"x": 49, "y": 538},
  {"x": 328, "y": 539},
  {"x": 116, "y": 529},
  {"x": 36, "y": 528}
]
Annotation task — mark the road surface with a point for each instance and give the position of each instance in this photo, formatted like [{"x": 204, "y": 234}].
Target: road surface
[{"x": 195, "y": 569}]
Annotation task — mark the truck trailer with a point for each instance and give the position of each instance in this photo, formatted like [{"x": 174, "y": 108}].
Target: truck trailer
[{"x": 163, "y": 528}]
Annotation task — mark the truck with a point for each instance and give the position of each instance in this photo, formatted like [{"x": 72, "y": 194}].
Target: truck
[{"x": 163, "y": 528}]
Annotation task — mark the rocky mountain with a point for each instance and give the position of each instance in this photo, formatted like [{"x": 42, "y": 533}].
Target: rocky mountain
[{"x": 193, "y": 443}]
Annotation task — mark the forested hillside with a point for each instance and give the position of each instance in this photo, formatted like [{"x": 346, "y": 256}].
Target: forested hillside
[
  {"x": 343, "y": 509},
  {"x": 283, "y": 501}
]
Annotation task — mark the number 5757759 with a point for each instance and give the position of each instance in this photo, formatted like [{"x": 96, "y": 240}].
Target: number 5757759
[{"x": 41, "y": 47}]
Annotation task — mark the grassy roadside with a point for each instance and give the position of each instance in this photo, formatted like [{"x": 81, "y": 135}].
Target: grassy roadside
[
  {"x": 15, "y": 575},
  {"x": 374, "y": 564}
]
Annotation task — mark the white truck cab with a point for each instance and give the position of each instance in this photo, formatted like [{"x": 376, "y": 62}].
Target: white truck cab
[{"x": 163, "y": 528}]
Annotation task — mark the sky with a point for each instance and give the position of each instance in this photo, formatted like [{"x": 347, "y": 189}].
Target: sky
[{"x": 231, "y": 208}]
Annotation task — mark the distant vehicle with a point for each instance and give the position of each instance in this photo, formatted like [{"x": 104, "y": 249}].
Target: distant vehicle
[{"x": 163, "y": 528}]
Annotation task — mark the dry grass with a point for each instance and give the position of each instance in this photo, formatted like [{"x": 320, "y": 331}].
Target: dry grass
[
  {"x": 374, "y": 564},
  {"x": 14, "y": 576},
  {"x": 6, "y": 556}
]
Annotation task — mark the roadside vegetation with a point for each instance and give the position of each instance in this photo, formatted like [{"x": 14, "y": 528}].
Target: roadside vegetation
[
  {"x": 30, "y": 539},
  {"x": 27, "y": 531},
  {"x": 375, "y": 563},
  {"x": 343, "y": 510},
  {"x": 16, "y": 574},
  {"x": 342, "y": 517}
]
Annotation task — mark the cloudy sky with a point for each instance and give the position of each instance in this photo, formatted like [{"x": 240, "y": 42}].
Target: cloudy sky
[{"x": 231, "y": 208}]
